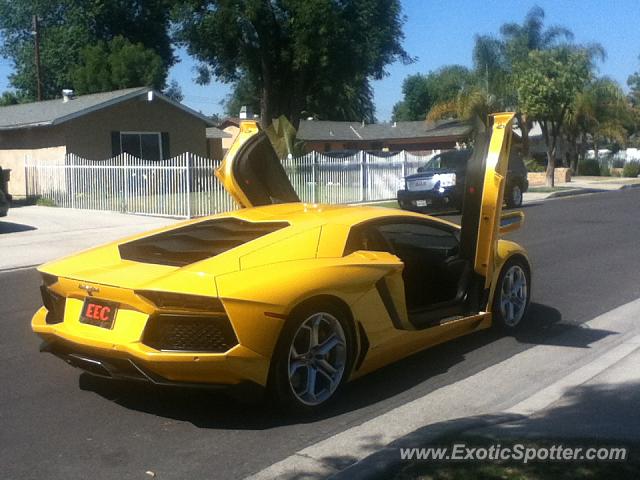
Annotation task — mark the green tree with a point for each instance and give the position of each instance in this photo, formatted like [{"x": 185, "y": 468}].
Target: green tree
[
  {"x": 174, "y": 91},
  {"x": 547, "y": 85},
  {"x": 9, "y": 98},
  {"x": 634, "y": 97},
  {"x": 422, "y": 92},
  {"x": 417, "y": 99},
  {"x": 600, "y": 111},
  {"x": 531, "y": 35},
  {"x": 491, "y": 86},
  {"x": 115, "y": 65},
  {"x": 634, "y": 86},
  {"x": 499, "y": 59},
  {"x": 633, "y": 122},
  {"x": 244, "y": 93},
  {"x": 295, "y": 52},
  {"x": 352, "y": 100},
  {"x": 67, "y": 27}
]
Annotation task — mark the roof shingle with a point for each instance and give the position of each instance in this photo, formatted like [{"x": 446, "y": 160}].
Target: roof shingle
[
  {"x": 53, "y": 112},
  {"x": 320, "y": 130}
]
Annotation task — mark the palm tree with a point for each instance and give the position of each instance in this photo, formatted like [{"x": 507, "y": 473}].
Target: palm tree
[
  {"x": 520, "y": 39},
  {"x": 471, "y": 103},
  {"x": 495, "y": 60},
  {"x": 600, "y": 111}
]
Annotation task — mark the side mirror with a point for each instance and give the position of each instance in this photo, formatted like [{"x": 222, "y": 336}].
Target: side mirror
[
  {"x": 510, "y": 222},
  {"x": 421, "y": 169}
]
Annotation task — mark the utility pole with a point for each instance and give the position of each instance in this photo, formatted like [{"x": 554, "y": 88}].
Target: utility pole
[
  {"x": 36, "y": 33},
  {"x": 486, "y": 73}
]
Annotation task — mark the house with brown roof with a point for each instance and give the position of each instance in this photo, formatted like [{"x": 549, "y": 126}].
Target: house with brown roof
[
  {"x": 328, "y": 136},
  {"x": 324, "y": 136},
  {"x": 138, "y": 121}
]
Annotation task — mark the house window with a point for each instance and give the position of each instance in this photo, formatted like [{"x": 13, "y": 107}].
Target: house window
[{"x": 145, "y": 145}]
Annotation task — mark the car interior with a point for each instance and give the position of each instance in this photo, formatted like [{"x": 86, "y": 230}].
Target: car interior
[{"x": 436, "y": 279}]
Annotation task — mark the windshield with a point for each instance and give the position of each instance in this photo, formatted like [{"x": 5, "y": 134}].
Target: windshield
[{"x": 449, "y": 160}]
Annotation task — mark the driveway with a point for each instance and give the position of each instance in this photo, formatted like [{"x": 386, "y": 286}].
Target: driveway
[{"x": 33, "y": 235}]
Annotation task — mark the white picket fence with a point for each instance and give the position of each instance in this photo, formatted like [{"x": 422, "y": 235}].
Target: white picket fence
[
  {"x": 185, "y": 186},
  {"x": 618, "y": 159}
]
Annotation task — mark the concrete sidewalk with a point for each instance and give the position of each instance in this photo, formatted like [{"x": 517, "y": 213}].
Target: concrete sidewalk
[
  {"x": 603, "y": 408},
  {"x": 581, "y": 185},
  {"x": 600, "y": 412},
  {"x": 33, "y": 235},
  {"x": 596, "y": 402},
  {"x": 604, "y": 183}
]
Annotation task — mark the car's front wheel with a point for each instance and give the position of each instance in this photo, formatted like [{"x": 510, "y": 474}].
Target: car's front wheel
[
  {"x": 512, "y": 294},
  {"x": 312, "y": 359}
]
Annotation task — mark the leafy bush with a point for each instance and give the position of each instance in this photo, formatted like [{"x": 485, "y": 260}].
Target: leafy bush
[
  {"x": 533, "y": 165},
  {"x": 631, "y": 169},
  {"x": 605, "y": 171},
  {"x": 617, "y": 163},
  {"x": 45, "y": 202},
  {"x": 589, "y": 167}
]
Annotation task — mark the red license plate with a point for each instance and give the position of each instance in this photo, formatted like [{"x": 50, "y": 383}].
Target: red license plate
[{"x": 98, "y": 312}]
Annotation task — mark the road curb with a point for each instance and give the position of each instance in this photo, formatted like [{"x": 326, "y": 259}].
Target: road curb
[
  {"x": 574, "y": 192},
  {"x": 383, "y": 461},
  {"x": 586, "y": 190},
  {"x": 19, "y": 267}
]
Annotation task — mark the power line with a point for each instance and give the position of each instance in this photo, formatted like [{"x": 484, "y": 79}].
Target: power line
[{"x": 199, "y": 97}]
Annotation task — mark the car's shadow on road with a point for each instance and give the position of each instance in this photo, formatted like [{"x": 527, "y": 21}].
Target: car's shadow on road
[
  {"x": 407, "y": 379},
  {"x": 11, "y": 227}
]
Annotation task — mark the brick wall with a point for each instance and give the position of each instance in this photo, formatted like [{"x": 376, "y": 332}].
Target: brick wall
[{"x": 537, "y": 179}]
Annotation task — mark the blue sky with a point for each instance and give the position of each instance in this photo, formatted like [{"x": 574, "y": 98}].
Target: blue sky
[{"x": 441, "y": 32}]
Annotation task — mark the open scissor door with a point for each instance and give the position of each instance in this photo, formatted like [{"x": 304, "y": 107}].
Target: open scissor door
[
  {"x": 251, "y": 171},
  {"x": 483, "y": 197}
]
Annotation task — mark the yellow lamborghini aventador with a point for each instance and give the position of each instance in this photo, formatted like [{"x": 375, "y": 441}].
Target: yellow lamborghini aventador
[{"x": 298, "y": 298}]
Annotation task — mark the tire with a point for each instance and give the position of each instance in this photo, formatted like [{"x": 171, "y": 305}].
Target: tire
[
  {"x": 307, "y": 374},
  {"x": 514, "y": 196},
  {"x": 511, "y": 302}
]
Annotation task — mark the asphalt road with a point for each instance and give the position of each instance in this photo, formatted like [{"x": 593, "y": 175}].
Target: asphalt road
[{"x": 57, "y": 423}]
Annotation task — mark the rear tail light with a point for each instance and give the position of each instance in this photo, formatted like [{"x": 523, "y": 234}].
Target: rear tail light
[
  {"x": 178, "y": 301},
  {"x": 54, "y": 304}
]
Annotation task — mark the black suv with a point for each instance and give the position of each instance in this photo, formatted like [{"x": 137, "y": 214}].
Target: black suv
[{"x": 440, "y": 182}]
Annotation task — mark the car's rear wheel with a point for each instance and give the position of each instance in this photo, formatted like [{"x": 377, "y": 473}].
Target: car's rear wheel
[
  {"x": 514, "y": 196},
  {"x": 312, "y": 359},
  {"x": 512, "y": 294}
]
